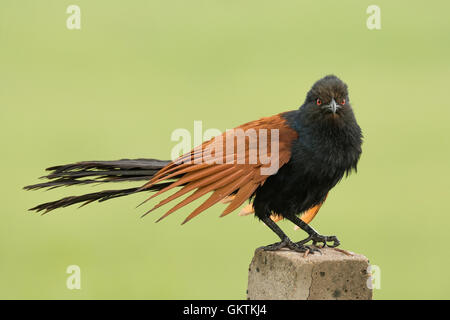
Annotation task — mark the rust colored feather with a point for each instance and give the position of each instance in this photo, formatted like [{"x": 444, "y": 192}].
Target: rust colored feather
[
  {"x": 175, "y": 173},
  {"x": 166, "y": 170},
  {"x": 218, "y": 195},
  {"x": 191, "y": 186},
  {"x": 243, "y": 194},
  {"x": 233, "y": 173},
  {"x": 310, "y": 214},
  {"x": 202, "y": 191},
  {"x": 200, "y": 173}
]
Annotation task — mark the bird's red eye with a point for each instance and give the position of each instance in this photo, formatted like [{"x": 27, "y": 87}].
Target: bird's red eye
[
  {"x": 343, "y": 101},
  {"x": 318, "y": 102}
]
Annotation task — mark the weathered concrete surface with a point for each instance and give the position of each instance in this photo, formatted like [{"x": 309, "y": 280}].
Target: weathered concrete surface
[{"x": 285, "y": 274}]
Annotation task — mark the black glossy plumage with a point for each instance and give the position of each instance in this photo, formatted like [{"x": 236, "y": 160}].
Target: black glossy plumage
[
  {"x": 328, "y": 147},
  {"x": 95, "y": 172}
]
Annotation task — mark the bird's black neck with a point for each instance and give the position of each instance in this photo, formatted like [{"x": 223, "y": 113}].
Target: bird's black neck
[{"x": 330, "y": 141}]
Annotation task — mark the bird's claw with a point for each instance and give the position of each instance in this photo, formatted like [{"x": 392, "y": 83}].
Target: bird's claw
[
  {"x": 287, "y": 243},
  {"x": 315, "y": 238}
]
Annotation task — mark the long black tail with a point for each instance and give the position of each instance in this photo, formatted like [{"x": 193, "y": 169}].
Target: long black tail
[{"x": 88, "y": 172}]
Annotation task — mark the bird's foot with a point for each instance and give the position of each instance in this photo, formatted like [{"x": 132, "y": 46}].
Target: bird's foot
[
  {"x": 315, "y": 238},
  {"x": 287, "y": 243}
]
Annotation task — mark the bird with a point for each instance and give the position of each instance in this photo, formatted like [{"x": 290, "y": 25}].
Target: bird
[{"x": 284, "y": 165}]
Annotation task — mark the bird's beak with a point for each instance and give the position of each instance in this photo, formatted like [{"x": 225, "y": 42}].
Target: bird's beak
[{"x": 333, "y": 106}]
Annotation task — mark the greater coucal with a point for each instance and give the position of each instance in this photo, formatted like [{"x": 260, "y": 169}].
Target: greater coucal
[{"x": 312, "y": 147}]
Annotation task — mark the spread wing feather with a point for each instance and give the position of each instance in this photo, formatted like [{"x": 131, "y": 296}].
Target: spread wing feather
[{"x": 225, "y": 171}]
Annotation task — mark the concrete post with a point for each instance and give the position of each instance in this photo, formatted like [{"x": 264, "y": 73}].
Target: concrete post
[{"x": 285, "y": 274}]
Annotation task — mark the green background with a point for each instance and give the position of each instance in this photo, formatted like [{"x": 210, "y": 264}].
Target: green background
[{"x": 137, "y": 70}]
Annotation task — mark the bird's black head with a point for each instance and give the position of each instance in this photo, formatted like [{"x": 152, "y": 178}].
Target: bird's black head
[
  {"x": 327, "y": 126},
  {"x": 328, "y": 99}
]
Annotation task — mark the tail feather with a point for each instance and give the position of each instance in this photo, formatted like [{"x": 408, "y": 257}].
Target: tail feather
[
  {"x": 56, "y": 183},
  {"x": 100, "y": 171},
  {"x": 141, "y": 164},
  {"x": 84, "y": 199},
  {"x": 88, "y": 172}
]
